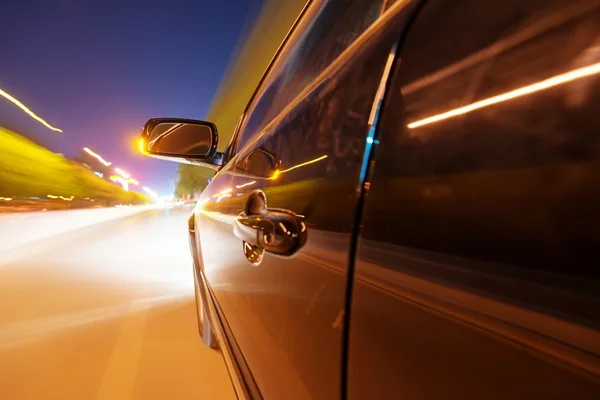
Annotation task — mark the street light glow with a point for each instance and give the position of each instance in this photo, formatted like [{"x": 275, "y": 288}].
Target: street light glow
[
  {"x": 97, "y": 156},
  {"x": 150, "y": 191},
  {"x": 122, "y": 173},
  {"x": 142, "y": 147},
  {"x": 27, "y": 110}
]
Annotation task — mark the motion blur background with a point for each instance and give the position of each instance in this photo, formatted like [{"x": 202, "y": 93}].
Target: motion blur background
[{"x": 96, "y": 289}]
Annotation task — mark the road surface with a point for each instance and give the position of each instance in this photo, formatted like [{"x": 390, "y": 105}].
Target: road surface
[{"x": 105, "y": 311}]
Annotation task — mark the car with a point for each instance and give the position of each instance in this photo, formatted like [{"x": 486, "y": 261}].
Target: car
[{"x": 408, "y": 207}]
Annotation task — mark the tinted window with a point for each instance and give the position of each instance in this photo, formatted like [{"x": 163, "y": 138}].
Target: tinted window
[
  {"x": 328, "y": 29},
  {"x": 478, "y": 256},
  {"x": 496, "y": 154}
]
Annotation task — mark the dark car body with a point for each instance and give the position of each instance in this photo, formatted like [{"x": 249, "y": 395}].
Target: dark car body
[{"x": 435, "y": 166}]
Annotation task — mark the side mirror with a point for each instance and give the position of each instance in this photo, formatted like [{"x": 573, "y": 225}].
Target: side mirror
[
  {"x": 259, "y": 163},
  {"x": 182, "y": 140}
]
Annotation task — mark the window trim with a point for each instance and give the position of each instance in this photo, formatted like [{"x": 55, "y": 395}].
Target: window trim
[
  {"x": 336, "y": 64},
  {"x": 232, "y": 147}
]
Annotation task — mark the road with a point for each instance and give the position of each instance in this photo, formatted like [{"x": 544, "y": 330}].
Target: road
[{"x": 105, "y": 311}]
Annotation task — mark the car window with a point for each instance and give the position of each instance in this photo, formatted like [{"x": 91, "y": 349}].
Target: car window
[
  {"x": 328, "y": 28},
  {"x": 498, "y": 138}
]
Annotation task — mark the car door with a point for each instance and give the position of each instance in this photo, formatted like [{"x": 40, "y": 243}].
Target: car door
[
  {"x": 276, "y": 222},
  {"x": 477, "y": 272}
]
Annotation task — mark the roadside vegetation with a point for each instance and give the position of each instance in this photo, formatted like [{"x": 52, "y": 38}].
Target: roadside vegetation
[
  {"x": 246, "y": 68},
  {"x": 29, "y": 171}
]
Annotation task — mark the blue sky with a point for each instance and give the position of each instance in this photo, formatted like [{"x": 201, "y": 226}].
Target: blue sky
[{"x": 98, "y": 69}]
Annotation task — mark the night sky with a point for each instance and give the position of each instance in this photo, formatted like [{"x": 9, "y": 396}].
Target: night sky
[{"x": 98, "y": 69}]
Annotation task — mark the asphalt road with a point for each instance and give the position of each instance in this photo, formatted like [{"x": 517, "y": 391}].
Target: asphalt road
[{"x": 105, "y": 312}]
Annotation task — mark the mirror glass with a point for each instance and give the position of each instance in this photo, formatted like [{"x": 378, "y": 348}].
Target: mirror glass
[{"x": 181, "y": 139}]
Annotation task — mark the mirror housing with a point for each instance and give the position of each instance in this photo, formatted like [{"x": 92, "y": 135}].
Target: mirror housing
[
  {"x": 182, "y": 140},
  {"x": 259, "y": 163}
]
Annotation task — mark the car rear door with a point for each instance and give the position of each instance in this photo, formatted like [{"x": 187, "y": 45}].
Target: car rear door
[
  {"x": 294, "y": 181},
  {"x": 477, "y": 272}
]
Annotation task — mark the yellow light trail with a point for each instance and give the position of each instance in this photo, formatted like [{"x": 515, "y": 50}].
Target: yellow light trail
[
  {"x": 27, "y": 110},
  {"x": 97, "y": 156},
  {"x": 523, "y": 91},
  {"x": 275, "y": 174},
  {"x": 304, "y": 163},
  {"x": 142, "y": 147},
  {"x": 278, "y": 172}
]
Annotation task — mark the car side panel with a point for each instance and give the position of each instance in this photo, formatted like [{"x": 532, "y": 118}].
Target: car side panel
[
  {"x": 477, "y": 274},
  {"x": 287, "y": 314}
]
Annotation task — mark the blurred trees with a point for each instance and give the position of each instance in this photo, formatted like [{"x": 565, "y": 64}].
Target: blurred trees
[
  {"x": 247, "y": 66},
  {"x": 30, "y": 170}
]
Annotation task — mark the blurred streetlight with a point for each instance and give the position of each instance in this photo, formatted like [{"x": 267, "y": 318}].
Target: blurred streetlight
[
  {"x": 122, "y": 173},
  {"x": 151, "y": 192},
  {"x": 97, "y": 156},
  {"x": 27, "y": 110}
]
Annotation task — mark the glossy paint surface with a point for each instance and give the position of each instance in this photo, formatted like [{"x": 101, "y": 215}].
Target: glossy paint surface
[
  {"x": 478, "y": 267},
  {"x": 302, "y": 145}
]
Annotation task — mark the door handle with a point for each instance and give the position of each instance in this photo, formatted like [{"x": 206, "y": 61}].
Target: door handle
[{"x": 273, "y": 230}]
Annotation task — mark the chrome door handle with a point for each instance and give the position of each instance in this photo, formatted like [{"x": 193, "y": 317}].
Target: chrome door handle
[{"x": 273, "y": 230}]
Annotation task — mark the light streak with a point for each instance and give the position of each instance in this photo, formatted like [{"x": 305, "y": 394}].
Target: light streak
[
  {"x": 304, "y": 163},
  {"x": 224, "y": 192},
  {"x": 278, "y": 172},
  {"x": 275, "y": 174},
  {"x": 97, "y": 156},
  {"x": 122, "y": 173},
  {"x": 513, "y": 94},
  {"x": 142, "y": 147},
  {"x": 150, "y": 191},
  {"x": 27, "y": 110},
  {"x": 223, "y": 196},
  {"x": 246, "y": 184}
]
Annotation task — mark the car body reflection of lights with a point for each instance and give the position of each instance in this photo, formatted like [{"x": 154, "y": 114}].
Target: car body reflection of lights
[
  {"x": 224, "y": 192},
  {"x": 283, "y": 227},
  {"x": 51, "y": 196},
  {"x": 245, "y": 184},
  {"x": 277, "y": 173},
  {"x": 513, "y": 94},
  {"x": 223, "y": 196},
  {"x": 254, "y": 254},
  {"x": 6, "y": 198}
]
